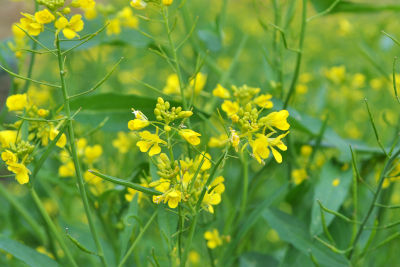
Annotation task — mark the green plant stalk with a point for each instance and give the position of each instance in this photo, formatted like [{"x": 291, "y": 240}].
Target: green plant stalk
[
  {"x": 355, "y": 193},
  {"x": 52, "y": 227},
  {"x": 174, "y": 56},
  {"x": 243, "y": 204},
  {"x": 74, "y": 153},
  {"x": 372, "y": 205},
  {"x": 24, "y": 213},
  {"x": 299, "y": 56},
  {"x": 130, "y": 250}
]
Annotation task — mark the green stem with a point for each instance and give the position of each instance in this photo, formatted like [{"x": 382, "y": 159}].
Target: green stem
[
  {"x": 74, "y": 153},
  {"x": 245, "y": 185},
  {"x": 372, "y": 205},
  {"x": 25, "y": 214},
  {"x": 130, "y": 250},
  {"x": 174, "y": 56},
  {"x": 299, "y": 56},
  {"x": 52, "y": 227}
]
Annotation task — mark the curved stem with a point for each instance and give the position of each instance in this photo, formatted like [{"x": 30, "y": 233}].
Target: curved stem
[{"x": 74, "y": 153}]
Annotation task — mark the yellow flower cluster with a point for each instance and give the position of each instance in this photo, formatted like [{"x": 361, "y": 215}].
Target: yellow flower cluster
[
  {"x": 16, "y": 144},
  {"x": 123, "y": 18},
  {"x": 246, "y": 108},
  {"x": 196, "y": 85}
]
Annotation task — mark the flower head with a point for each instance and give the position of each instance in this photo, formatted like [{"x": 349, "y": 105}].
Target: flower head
[
  {"x": 17, "y": 102},
  {"x": 71, "y": 27},
  {"x": 213, "y": 238},
  {"x": 138, "y": 4},
  {"x": 137, "y": 124},
  {"x": 21, "y": 172},
  {"x": 276, "y": 119},
  {"x": 44, "y": 16},
  {"x": 150, "y": 142},
  {"x": 264, "y": 101},
  {"x": 190, "y": 136},
  {"x": 30, "y": 24},
  {"x": 230, "y": 107},
  {"x": 92, "y": 153},
  {"x": 221, "y": 92},
  {"x": 7, "y": 137},
  {"x": 9, "y": 157},
  {"x": 198, "y": 82}
]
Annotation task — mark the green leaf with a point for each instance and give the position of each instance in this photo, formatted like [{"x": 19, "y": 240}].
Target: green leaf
[
  {"x": 255, "y": 259},
  {"x": 30, "y": 256},
  {"x": 118, "y": 108},
  {"x": 350, "y": 6},
  {"x": 293, "y": 231},
  {"x": 331, "y": 197}
]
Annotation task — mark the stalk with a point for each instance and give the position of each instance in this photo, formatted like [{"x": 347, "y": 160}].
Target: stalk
[
  {"x": 52, "y": 227},
  {"x": 74, "y": 153}
]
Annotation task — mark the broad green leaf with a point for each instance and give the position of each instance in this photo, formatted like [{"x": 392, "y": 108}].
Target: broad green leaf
[
  {"x": 130, "y": 222},
  {"x": 255, "y": 259},
  {"x": 331, "y": 196},
  {"x": 351, "y": 6},
  {"x": 26, "y": 254},
  {"x": 118, "y": 108},
  {"x": 293, "y": 231}
]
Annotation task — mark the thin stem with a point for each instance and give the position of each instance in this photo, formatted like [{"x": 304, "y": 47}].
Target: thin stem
[
  {"x": 245, "y": 166},
  {"x": 52, "y": 227},
  {"x": 175, "y": 56},
  {"x": 74, "y": 153},
  {"x": 299, "y": 56},
  {"x": 130, "y": 250},
  {"x": 389, "y": 161}
]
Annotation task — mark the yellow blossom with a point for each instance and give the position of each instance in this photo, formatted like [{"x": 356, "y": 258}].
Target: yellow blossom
[
  {"x": 213, "y": 238},
  {"x": 264, "y": 101},
  {"x": 194, "y": 257},
  {"x": 138, "y": 4},
  {"x": 299, "y": 175},
  {"x": 173, "y": 198},
  {"x": 127, "y": 18},
  {"x": 67, "y": 170},
  {"x": 167, "y": 2},
  {"x": 17, "y": 32},
  {"x": 9, "y": 157},
  {"x": 218, "y": 185},
  {"x": 71, "y": 27},
  {"x": 190, "y": 136},
  {"x": 277, "y": 142},
  {"x": 43, "y": 112},
  {"x": 17, "y": 102},
  {"x": 30, "y": 25},
  {"x": 277, "y": 119},
  {"x": 336, "y": 182},
  {"x": 150, "y": 142},
  {"x": 218, "y": 141},
  {"x": 198, "y": 82},
  {"x": 44, "y": 16},
  {"x": 206, "y": 163},
  {"x": 86, "y": 4},
  {"x": 336, "y": 74},
  {"x": 63, "y": 139},
  {"x": 221, "y": 92},
  {"x": 306, "y": 150},
  {"x": 260, "y": 148},
  {"x": 7, "y": 137},
  {"x": 137, "y": 124},
  {"x": 172, "y": 86},
  {"x": 211, "y": 199},
  {"x": 301, "y": 89},
  {"x": 114, "y": 27},
  {"x": 92, "y": 153},
  {"x": 122, "y": 143},
  {"x": 230, "y": 107},
  {"x": 358, "y": 80},
  {"x": 21, "y": 172},
  {"x": 90, "y": 13}
]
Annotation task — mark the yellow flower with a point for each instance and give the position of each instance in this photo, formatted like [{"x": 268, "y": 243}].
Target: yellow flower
[
  {"x": 277, "y": 142},
  {"x": 213, "y": 238},
  {"x": 301, "y": 89},
  {"x": 63, "y": 139},
  {"x": 17, "y": 32},
  {"x": 230, "y": 107},
  {"x": 173, "y": 198},
  {"x": 21, "y": 172},
  {"x": 9, "y": 157},
  {"x": 44, "y": 16},
  {"x": 260, "y": 148},
  {"x": 138, "y": 4},
  {"x": 306, "y": 150},
  {"x": 198, "y": 82},
  {"x": 90, "y": 13},
  {"x": 71, "y": 27},
  {"x": 190, "y": 136},
  {"x": 86, "y": 4},
  {"x": 358, "y": 80},
  {"x": 43, "y": 112},
  {"x": 206, "y": 163},
  {"x": 211, "y": 199},
  {"x": 114, "y": 27},
  {"x": 218, "y": 141},
  {"x": 7, "y": 137},
  {"x": 194, "y": 257},
  {"x": 235, "y": 139},
  {"x": 93, "y": 153},
  {"x": 167, "y": 2},
  {"x": 221, "y": 92},
  {"x": 173, "y": 86},
  {"x": 122, "y": 143},
  {"x": 299, "y": 175},
  {"x": 218, "y": 185},
  {"x": 150, "y": 142},
  {"x": 277, "y": 120},
  {"x": 67, "y": 170},
  {"x": 127, "y": 18},
  {"x": 30, "y": 25},
  {"x": 17, "y": 102},
  {"x": 336, "y": 74},
  {"x": 264, "y": 101},
  {"x": 137, "y": 124},
  {"x": 92, "y": 179}
]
